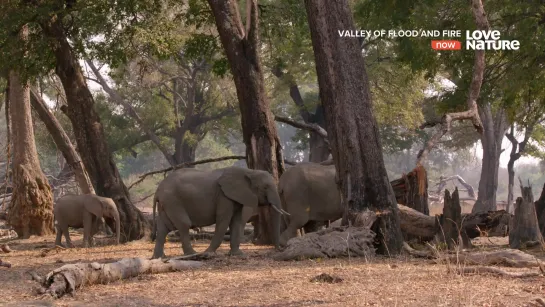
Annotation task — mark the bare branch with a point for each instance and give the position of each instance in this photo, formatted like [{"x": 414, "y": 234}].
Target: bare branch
[
  {"x": 310, "y": 127},
  {"x": 186, "y": 164},
  {"x": 116, "y": 97}
]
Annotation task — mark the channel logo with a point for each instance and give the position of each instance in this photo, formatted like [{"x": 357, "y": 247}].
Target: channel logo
[{"x": 446, "y": 45}]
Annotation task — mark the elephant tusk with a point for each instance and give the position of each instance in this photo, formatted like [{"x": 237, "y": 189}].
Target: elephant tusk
[
  {"x": 284, "y": 212},
  {"x": 276, "y": 209}
]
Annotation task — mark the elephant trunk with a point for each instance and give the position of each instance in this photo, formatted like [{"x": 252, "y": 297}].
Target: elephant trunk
[{"x": 274, "y": 200}]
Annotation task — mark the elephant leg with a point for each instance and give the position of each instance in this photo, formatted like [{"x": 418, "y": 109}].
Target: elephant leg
[
  {"x": 290, "y": 232},
  {"x": 64, "y": 229},
  {"x": 162, "y": 231},
  {"x": 187, "y": 248},
  {"x": 236, "y": 228},
  {"x": 223, "y": 219},
  {"x": 87, "y": 229},
  {"x": 58, "y": 238}
]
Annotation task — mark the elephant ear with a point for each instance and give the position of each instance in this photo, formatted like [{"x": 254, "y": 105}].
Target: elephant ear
[
  {"x": 94, "y": 206},
  {"x": 236, "y": 185}
]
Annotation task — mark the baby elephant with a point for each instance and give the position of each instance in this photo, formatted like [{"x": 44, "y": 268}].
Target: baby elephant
[{"x": 85, "y": 211}]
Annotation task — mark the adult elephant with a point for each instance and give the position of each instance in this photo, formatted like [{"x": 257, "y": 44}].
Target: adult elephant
[
  {"x": 227, "y": 197},
  {"x": 87, "y": 211},
  {"x": 309, "y": 193}
]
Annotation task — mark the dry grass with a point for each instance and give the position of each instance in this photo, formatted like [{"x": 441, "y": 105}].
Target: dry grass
[{"x": 260, "y": 281}]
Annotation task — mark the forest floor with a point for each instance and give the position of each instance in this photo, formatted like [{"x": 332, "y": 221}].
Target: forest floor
[{"x": 261, "y": 281}]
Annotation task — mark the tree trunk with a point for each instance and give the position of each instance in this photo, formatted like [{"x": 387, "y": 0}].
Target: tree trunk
[
  {"x": 63, "y": 142},
  {"x": 318, "y": 149},
  {"x": 31, "y": 207},
  {"x": 263, "y": 148},
  {"x": 185, "y": 149},
  {"x": 524, "y": 228},
  {"x": 510, "y": 184},
  {"x": 451, "y": 222},
  {"x": 491, "y": 139},
  {"x": 540, "y": 211},
  {"x": 91, "y": 141},
  {"x": 352, "y": 128}
]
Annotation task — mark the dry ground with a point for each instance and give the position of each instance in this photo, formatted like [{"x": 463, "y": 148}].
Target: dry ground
[{"x": 259, "y": 281}]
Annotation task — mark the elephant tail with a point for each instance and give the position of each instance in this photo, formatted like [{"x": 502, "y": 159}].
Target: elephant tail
[{"x": 153, "y": 234}]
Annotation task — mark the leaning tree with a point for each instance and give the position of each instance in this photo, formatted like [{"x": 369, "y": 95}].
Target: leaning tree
[
  {"x": 241, "y": 44},
  {"x": 352, "y": 128}
]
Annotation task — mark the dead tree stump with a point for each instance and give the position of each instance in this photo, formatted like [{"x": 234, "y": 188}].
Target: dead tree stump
[
  {"x": 411, "y": 190},
  {"x": 540, "y": 211},
  {"x": 524, "y": 226},
  {"x": 451, "y": 221}
]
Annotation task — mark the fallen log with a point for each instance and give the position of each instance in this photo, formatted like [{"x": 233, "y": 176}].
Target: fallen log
[
  {"x": 496, "y": 271},
  {"x": 330, "y": 243},
  {"x": 506, "y": 257},
  {"x": 68, "y": 278},
  {"x": 491, "y": 223}
]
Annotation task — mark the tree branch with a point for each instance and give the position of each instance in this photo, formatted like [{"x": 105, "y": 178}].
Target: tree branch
[
  {"x": 185, "y": 164},
  {"x": 310, "y": 127},
  {"x": 474, "y": 91},
  {"x": 116, "y": 97}
]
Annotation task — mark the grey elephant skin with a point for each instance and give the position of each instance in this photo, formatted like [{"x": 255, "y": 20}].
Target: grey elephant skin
[
  {"x": 309, "y": 193},
  {"x": 87, "y": 211},
  {"x": 227, "y": 197}
]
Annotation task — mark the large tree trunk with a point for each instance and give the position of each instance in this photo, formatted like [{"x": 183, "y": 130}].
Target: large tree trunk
[
  {"x": 352, "y": 128},
  {"x": 63, "y": 143},
  {"x": 491, "y": 139},
  {"x": 91, "y": 141},
  {"x": 31, "y": 208},
  {"x": 263, "y": 148}
]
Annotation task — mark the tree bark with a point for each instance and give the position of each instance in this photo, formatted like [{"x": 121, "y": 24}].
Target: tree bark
[
  {"x": 352, "y": 127},
  {"x": 31, "y": 207},
  {"x": 491, "y": 139},
  {"x": 524, "y": 228},
  {"x": 263, "y": 148},
  {"x": 91, "y": 141},
  {"x": 412, "y": 190},
  {"x": 63, "y": 142}
]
